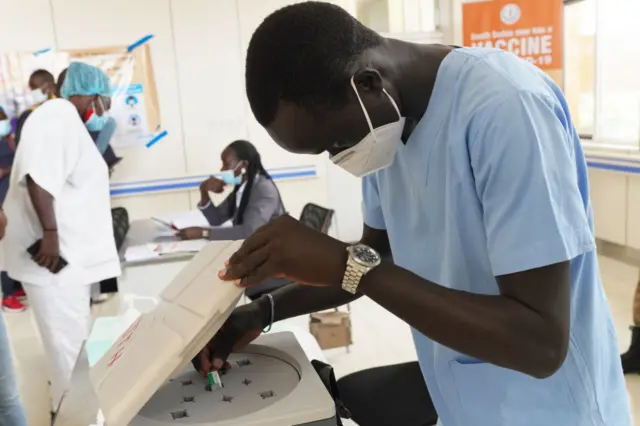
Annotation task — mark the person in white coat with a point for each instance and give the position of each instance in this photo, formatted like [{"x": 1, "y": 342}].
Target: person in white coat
[{"x": 59, "y": 199}]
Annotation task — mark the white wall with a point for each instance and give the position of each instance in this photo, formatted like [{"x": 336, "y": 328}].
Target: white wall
[
  {"x": 198, "y": 55},
  {"x": 198, "y": 58}
]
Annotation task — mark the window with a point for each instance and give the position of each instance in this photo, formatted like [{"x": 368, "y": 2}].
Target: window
[
  {"x": 618, "y": 73},
  {"x": 580, "y": 64},
  {"x": 396, "y": 16}
]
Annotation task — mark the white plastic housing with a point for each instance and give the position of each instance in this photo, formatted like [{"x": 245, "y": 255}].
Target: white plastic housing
[
  {"x": 158, "y": 345},
  {"x": 270, "y": 383}
]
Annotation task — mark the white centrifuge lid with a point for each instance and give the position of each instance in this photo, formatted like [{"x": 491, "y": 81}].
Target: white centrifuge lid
[{"x": 160, "y": 344}]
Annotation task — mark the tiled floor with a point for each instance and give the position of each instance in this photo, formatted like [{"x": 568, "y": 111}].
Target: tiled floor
[{"x": 371, "y": 348}]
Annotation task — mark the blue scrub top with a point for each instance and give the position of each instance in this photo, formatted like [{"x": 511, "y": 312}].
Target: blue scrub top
[{"x": 493, "y": 181}]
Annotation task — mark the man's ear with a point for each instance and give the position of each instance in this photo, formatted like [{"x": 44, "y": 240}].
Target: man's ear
[{"x": 368, "y": 80}]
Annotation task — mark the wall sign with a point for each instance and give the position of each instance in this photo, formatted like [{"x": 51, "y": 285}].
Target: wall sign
[{"x": 531, "y": 29}]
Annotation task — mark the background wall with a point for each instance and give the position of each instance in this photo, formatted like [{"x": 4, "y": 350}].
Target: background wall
[
  {"x": 198, "y": 55},
  {"x": 198, "y": 58}
]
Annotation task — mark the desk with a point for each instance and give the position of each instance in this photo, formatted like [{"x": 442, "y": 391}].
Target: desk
[{"x": 148, "y": 277}]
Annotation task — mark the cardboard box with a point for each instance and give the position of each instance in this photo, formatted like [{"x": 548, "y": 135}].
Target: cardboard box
[{"x": 331, "y": 329}]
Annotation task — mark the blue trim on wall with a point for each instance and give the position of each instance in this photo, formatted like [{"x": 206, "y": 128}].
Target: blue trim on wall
[
  {"x": 614, "y": 167},
  {"x": 300, "y": 172},
  {"x": 163, "y": 185},
  {"x": 614, "y": 159}
]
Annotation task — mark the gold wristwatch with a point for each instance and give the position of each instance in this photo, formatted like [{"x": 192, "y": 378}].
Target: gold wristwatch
[
  {"x": 206, "y": 233},
  {"x": 362, "y": 259}
]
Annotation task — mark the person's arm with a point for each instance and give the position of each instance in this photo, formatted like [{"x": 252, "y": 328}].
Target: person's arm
[
  {"x": 523, "y": 162},
  {"x": 296, "y": 299},
  {"x": 215, "y": 215},
  {"x": 103, "y": 138},
  {"x": 43, "y": 205}
]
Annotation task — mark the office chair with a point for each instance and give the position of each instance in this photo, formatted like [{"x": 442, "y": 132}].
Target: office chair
[{"x": 317, "y": 217}]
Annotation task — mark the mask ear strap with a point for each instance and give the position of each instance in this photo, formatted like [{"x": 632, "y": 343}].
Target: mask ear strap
[
  {"x": 395, "y": 106},
  {"x": 104, "y": 109},
  {"x": 364, "y": 110}
]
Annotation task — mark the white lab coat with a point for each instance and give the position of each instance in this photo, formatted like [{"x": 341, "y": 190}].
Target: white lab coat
[{"x": 57, "y": 152}]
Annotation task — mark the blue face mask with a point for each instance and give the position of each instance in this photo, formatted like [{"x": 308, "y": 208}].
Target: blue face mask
[
  {"x": 5, "y": 128},
  {"x": 229, "y": 178},
  {"x": 96, "y": 122}
]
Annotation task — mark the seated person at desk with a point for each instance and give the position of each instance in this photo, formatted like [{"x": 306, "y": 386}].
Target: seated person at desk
[{"x": 254, "y": 201}]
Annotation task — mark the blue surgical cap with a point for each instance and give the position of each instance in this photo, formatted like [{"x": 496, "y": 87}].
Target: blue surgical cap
[{"x": 85, "y": 80}]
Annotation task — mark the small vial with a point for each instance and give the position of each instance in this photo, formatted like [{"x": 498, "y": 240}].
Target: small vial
[{"x": 214, "y": 381}]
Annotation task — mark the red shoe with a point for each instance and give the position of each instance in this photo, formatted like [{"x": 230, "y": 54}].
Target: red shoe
[
  {"x": 12, "y": 304},
  {"x": 20, "y": 294}
]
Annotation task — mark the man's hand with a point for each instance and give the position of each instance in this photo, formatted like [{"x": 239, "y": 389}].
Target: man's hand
[
  {"x": 49, "y": 254},
  {"x": 242, "y": 327},
  {"x": 193, "y": 233},
  {"x": 212, "y": 185},
  {"x": 286, "y": 248}
]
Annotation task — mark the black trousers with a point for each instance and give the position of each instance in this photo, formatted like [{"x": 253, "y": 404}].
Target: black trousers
[{"x": 394, "y": 395}]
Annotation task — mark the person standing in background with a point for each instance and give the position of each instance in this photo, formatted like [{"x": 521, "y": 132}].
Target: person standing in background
[
  {"x": 43, "y": 87},
  {"x": 102, "y": 129},
  {"x": 10, "y": 300},
  {"x": 11, "y": 410},
  {"x": 631, "y": 358},
  {"x": 59, "y": 197}
]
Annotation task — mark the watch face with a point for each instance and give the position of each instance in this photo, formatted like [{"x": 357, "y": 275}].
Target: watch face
[{"x": 366, "y": 255}]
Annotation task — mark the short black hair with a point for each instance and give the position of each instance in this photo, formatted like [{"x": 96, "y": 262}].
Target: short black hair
[
  {"x": 44, "y": 75},
  {"x": 301, "y": 53}
]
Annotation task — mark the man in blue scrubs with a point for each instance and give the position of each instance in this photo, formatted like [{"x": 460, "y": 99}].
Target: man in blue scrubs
[{"x": 474, "y": 181}]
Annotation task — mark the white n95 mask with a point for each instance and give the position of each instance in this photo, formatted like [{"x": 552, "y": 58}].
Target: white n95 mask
[
  {"x": 377, "y": 150},
  {"x": 38, "y": 97}
]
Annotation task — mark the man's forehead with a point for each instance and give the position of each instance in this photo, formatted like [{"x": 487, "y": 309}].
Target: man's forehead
[{"x": 293, "y": 123}]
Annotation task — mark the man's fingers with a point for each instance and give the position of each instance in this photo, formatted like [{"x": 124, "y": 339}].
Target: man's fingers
[
  {"x": 259, "y": 275},
  {"x": 205, "y": 361},
  {"x": 252, "y": 244},
  {"x": 246, "y": 265},
  {"x": 42, "y": 261},
  {"x": 221, "y": 346},
  {"x": 54, "y": 263}
]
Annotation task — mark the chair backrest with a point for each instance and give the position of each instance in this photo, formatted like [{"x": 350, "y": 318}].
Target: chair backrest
[
  {"x": 121, "y": 225},
  {"x": 316, "y": 217}
]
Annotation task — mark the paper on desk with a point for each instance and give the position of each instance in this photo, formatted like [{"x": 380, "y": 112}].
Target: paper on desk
[
  {"x": 189, "y": 246},
  {"x": 139, "y": 253},
  {"x": 182, "y": 220}
]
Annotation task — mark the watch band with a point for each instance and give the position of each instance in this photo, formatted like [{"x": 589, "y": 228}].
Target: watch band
[{"x": 352, "y": 276}]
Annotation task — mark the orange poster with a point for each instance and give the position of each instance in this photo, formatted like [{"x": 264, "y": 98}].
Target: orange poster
[{"x": 532, "y": 29}]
